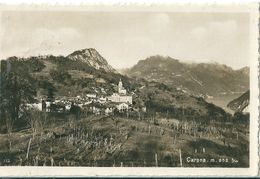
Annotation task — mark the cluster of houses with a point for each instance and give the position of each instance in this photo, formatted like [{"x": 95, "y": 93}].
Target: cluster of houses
[{"x": 97, "y": 104}]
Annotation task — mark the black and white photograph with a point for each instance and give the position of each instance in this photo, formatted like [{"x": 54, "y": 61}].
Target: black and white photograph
[{"x": 126, "y": 88}]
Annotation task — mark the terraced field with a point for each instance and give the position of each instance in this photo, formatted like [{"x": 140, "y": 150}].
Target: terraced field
[{"x": 107, "y": 141}]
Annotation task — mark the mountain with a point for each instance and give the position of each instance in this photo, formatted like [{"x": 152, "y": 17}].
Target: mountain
[
  {"x": 240, "y": 104},
  {"x": 80, "y": 72},
  {"x": 85, "y": 71},
  {"x": 92, "y": 58},
  {"x": 200, "y": 79}
]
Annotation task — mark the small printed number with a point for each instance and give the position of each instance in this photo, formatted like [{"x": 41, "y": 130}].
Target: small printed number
[{"x": 223, "y": 160}]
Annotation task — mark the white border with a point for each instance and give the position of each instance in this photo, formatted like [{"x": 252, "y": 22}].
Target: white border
[
  {"x": 111, "y": 2},
  {"x": 251, "y": 8}
]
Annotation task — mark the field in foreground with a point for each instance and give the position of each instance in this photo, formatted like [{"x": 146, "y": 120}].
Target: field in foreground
[{"x": 106, "y": 141}]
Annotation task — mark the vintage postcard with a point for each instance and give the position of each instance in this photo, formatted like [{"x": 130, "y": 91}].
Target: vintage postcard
[{"x": 130, "y": 90}]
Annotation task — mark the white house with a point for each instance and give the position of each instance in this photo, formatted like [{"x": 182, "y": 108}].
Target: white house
[
  {"x": 122, "y": 106},
  {"x": 102, "y": 100},
  {"x": 67, "y": 107},
  {"x": 48, "y": 106},
  {"x": 95, "y": 110},
  {"x": 117, "y": 98},
  {"x": 108, "y": 111},
  {"x": 91, "y": 95},
  {"x": 37, "y": 106}
]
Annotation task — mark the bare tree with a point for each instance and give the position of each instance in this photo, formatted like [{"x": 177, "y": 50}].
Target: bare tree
[
  {"x": 9, "y": 122},
  {"x": 36, "y": 121}
]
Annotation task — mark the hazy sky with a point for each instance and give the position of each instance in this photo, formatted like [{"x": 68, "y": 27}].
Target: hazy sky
[{"x": 123, "y": 38}]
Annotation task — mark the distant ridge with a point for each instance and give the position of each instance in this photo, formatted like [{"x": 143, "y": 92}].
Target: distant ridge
[{"x": 200, "y": 79}]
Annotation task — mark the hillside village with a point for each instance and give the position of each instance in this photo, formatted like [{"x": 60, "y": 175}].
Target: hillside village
[{"x": 95, "y": 103}]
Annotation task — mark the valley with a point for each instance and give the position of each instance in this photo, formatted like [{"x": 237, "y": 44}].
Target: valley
[{"x": 223, "y": 100}]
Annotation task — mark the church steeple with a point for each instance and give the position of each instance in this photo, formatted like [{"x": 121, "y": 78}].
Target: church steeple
[
  {"x": 121, "y": 89},
  {"x": 120, "y": 86}
]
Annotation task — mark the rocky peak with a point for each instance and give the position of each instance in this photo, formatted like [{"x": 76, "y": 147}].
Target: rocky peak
[
  {"x": 241, "y": 103},
  {"x": 92, "y": 58}
]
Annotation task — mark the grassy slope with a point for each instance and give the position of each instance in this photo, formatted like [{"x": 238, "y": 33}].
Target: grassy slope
[{"x": 138, "y": 149}]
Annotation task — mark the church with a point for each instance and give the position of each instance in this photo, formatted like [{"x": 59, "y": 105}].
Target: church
[{"x": 121, "y": 96}]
